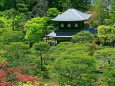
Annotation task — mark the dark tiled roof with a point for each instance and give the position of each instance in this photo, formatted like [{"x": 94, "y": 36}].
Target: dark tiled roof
[{"x": 58, "y": 33}]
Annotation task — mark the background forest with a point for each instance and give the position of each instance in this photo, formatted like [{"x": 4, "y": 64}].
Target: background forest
[{"x": 26, "y": 59}]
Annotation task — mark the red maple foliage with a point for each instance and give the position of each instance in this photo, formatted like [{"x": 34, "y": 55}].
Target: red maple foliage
[
  {"x": 10, "y": 70},
  {"x": 4, "y": 84},
  {"x": 14, "y": 72},
  {"x": 25, "y": 78},
  {"x": 4, "y": 64},
  {"x": 2, "y": 73}
]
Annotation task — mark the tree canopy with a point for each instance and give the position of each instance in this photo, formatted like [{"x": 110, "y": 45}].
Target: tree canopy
[{"x": 29, "y": 58}]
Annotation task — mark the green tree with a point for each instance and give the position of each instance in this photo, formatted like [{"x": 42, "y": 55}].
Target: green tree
[
  {"x": 42, "y": 48},
  {"x": 17, "y": 19},
  {"x": 111, "y": 18},
  {"x": 35, "y": 29},
  {"x": 40, "y": 8},
  {"x": 104, "y": 15},
  {"x": 71, "y": 69},
  {"x": 83, "y": 36},
  {"x": 5, "y": 24},
  {"x": 6, "y": 4},
  {"x": 106, "y": 33},
  {"x": 65, "y": 4},
  {"x": 72, "y": 64},
  {"x": 105, "y": 66},
  {"x": 11, "y": 36},
  {"x": 51, "y": 13},
  {"x": 21, "y": 7},
  {"x": 100, "y": 15},
  {"x": 18, "y": 54}
]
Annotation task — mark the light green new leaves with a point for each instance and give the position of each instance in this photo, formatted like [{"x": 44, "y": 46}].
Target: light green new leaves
[
  {"x": 106, "y": 33},
  {"x": 5, "y": 23},
  {"x": 35, "y": 29}
]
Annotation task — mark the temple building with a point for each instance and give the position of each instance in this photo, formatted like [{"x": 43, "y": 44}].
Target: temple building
[{"x": 69, "y": 23}]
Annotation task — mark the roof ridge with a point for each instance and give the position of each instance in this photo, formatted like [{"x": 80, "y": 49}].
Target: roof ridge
[{"x": 74, "y": 10}]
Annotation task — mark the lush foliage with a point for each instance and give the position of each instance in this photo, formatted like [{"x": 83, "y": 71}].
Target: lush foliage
[
  {"x": 11, "y": 36},
  {"x": 70, "y": 67},
  {"x": 26, "y": 59},
  {"x": 13, "y": 75},
  {"x": 36, "y": 29},
  {"x": 106, "y": 33},
  {"x": 83, "y": 36},
  {"x": 105, "y": 64},
  {"x": 104, "y": 15}
]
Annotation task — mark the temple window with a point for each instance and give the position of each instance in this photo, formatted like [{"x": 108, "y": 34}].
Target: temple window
[
  {"x": 62, "y": 25},
  {"x": 76, "y": 25},
  {"x": 68, "y": 25}
]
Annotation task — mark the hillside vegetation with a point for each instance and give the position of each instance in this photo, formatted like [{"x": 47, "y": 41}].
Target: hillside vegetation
[{"x": 26, "y": 59}]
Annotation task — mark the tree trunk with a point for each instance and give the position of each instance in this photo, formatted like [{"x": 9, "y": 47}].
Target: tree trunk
[{"x": 105, "y": 41}]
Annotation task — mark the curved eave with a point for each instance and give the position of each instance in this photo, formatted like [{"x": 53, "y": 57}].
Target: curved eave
[
  {"x": 60, "y": 36},
  {"x": 66, "y": 20},
  {"x": 71, "y": 20},
  {"x": 72, "y": 17}
]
